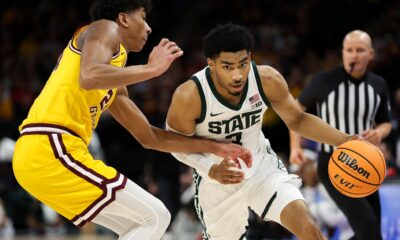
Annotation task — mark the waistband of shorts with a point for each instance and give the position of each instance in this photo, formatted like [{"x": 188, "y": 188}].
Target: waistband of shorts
[{"x": 45, "y": 129}]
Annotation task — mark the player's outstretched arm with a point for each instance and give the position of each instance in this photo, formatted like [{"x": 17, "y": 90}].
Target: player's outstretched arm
[
  {"x": 183, "y": 111},
  {"x": 305, "y": 124},
  {"x": 296, "y": 152},
  {"x": 185, "y": 108},
  {"x": 101, "y": 41},
  {"x": 130, "y": 116}
]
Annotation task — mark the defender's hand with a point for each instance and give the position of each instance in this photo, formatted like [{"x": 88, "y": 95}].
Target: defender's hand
[
  {"x": 234, "y": 152},
  {"x": 162, "y": 56},
  {"x": 355, "y": 137},
  {"x": 226, "y": 172}
]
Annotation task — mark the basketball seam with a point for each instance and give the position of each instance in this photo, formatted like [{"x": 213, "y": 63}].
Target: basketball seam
[
  {"x": 373, "y": 184},
  {"x": 380, "y": 154},
  {"x": 356, "y": 194},
  {"x": 379, "y": 176}
]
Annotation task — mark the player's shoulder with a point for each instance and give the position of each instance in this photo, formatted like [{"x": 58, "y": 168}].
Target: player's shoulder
[
  {"x": 266, "y": 71},
  {"x": 186, "y": 99},
  {"x": 103, "y": 29},
  {"x": 103, "y": 32},
  {"x": 103, "y": 24},
  {"x": 187, "y": 90},
  {"x": 269, "y": 76}
]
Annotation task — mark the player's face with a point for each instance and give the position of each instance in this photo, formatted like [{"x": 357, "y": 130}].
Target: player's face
[
  {"x": 357, "y": 51},
  {"x": 230, "y": 71},
  {"x": 138, "y": 29}
]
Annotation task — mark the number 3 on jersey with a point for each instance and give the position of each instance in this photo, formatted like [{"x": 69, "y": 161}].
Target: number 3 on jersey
[{"x": 236, "y": 137}]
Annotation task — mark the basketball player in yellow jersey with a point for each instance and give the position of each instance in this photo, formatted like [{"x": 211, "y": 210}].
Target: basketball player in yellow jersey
[{"x": 51, "y": 159}]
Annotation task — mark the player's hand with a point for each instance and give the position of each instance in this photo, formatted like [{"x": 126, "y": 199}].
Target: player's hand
[
  {"x": 297, "y": 156},
  {"x": 235, "y": 152},
  {"x": 373, "y": 136},
  {"x": 162, "y": 56},
  {"x": 226, "y": 172},
  {"x": 355, "y": 137},
  {"x": 350, "y": 137}
]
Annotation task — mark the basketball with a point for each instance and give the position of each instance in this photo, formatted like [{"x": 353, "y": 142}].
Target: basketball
[{"x": 357, "y": 168}]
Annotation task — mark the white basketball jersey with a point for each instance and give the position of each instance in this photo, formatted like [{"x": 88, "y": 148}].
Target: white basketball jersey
[{"x": 239, "y": 123}]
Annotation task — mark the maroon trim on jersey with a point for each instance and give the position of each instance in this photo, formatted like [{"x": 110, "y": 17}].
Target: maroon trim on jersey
[
  {"x": 77, "y": 51},
  {"x": 53, "y": 146},
  {"x": 46, "y": 125},
  {"x": 89, "y": 218},
  {"x": 64, "y": 154},
  {"x": 126, "y": 59},
  {"x": 108, "y": 186},
  {"x": 73, "y": 48},
  {"x": 64, "y": 149},
  {"x": 117, "y": 54},
  {"x": 89, "y": 175}
]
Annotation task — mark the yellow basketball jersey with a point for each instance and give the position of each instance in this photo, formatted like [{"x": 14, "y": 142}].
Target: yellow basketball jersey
[{"x": 64, "y": 103}]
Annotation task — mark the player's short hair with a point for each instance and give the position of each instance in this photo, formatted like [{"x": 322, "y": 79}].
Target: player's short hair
[
  {"x": 109, "y": 9},
  {"x": 227, "y": 38}
]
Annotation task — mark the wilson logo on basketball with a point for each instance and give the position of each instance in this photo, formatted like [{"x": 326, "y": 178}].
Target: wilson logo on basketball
[
  {"x": 352, "y": 163},
  {"x": 357, "y": 168}
]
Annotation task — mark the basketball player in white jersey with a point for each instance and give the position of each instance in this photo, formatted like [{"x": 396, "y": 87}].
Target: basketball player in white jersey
[{"x": 226, "y": 101}]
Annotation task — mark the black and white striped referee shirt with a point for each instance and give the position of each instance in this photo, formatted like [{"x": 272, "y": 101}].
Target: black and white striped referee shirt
[{"x": 348, "y": 104}]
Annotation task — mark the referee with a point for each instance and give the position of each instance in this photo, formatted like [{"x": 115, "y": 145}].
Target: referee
[{"x": 356, "y": 101}]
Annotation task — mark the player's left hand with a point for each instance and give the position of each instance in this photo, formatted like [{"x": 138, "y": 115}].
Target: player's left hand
[
  {"x": 162, "y": 56},
  {"x": 227, "y": 172},
  {"x": 235, "y": 152}
]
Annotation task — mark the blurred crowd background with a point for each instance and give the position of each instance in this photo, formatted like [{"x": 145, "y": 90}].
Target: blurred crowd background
[{"x": 299, "y": 38}]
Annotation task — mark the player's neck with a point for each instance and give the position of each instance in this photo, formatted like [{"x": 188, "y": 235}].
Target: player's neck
[{"x": 225, "y": 94}]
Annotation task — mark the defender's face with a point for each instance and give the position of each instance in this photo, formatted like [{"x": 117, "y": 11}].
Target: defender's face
[
  {"x": 138, "y": 29},
  {"x": 230, "y": 71},
  {"x": 357, "y": 51}
]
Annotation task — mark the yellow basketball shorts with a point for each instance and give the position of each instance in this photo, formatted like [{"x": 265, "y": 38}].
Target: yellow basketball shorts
[{"x": 54, "y": 165}]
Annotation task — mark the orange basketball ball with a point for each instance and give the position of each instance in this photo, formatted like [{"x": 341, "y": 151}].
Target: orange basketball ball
[{"x": 357, "y": 168}]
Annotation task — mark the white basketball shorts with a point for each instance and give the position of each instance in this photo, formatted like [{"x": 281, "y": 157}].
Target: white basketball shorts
[{"x": 223, "y": 209}]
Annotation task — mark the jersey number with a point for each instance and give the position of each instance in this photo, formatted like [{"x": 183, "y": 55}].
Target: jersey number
[
  {"x": 236, "y": 137},
  {"x": 106, "y": 99}
]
